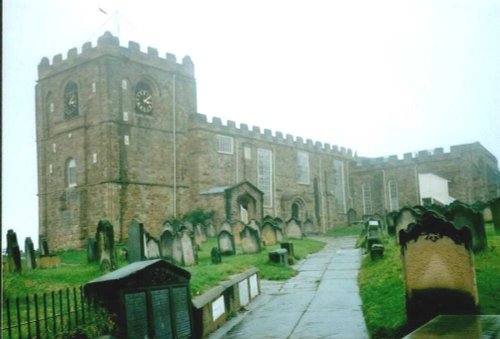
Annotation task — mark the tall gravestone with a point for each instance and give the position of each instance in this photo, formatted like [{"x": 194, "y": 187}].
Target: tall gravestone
[
  {"x": 225, "y": 242},
  {"x": 166, "y": 243},
  {"x": 308, "y": 227},
  {"x": 238, "y": 226},
  {"x": 268, "y": 233},
  {"x": 405, "y": 217},
  {"x": 105, "y": 244},
  {"x": 91, "y": 250},
  {"x": 391, "y": 223},
  {"x": 29, "y": 251},
  {"x": 495, "y": 213},
  {"x": 439, "y": 269},
  {"x": 135, "y": 242},
  {"x": 293, "y": 229},
  {"x": 13, "y": 252},
  {"x": 43, "y": 246},
  {"x": 250, "y": 240},
  {"x": 152, "y": 246},
  {"x": 199, "y": 235},
  {"x": 255, "y": 225},
  {"x": 183, "y": 249},
  {"x": 226, "y": 226},
  {"x": 463, "y": 216},
  {"x": 211, "y": 232}
]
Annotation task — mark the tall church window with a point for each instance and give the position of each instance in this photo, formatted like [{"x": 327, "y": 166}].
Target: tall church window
[
  {"x": 303, "y": 167},
  {"x": 265, "y": 175},
  {"x": 71, "y": 100},
  {"x": 339, "y": 185},
  {"x": 393, "y": 195},
  {"x": 224, "y": 144},
  {"x": 71, "y": 172},
  {"x": 367, "y": 199}
]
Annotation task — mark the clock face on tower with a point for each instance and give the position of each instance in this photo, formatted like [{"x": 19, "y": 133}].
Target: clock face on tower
[{"x": 143, "y": 99}]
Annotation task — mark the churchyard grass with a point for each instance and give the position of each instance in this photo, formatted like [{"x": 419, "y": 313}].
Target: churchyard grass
[
  {"x": 75, "y": 271},
  {"x": 346, "y": 230},
  {"x": 382, "y": 287}
]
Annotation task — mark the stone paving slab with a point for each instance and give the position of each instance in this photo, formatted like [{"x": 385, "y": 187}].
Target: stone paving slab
[{"x": 322, "y": 301}]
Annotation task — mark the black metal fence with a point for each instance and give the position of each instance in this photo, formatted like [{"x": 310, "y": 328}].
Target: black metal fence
[{"x": 46, "y": 316}]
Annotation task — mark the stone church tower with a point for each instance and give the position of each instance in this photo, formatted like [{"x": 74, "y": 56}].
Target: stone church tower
[{"x": 111, "y": 132}]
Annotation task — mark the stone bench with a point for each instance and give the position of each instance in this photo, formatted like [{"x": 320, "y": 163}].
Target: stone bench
[{"x": 279, "y": 256}]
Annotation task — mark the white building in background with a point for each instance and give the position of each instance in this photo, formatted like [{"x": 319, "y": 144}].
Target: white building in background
[{"x": 433, "y": 189}]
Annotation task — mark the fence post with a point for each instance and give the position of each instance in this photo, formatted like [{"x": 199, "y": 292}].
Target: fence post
[
  {"x": 18, "y": 318},
  {"x": 54, "y": 320},
  {"x": 61, "y": 309},
  {"x": 68, "y": 307},
  {"x": 45, "y": 313},
  {"x": 75, "y": 306},
  {"x": 9, "y": 323},
  {"x": 28, "y": 322},
  {"x": 82, "y": 301},
  {"x": 37, "y": 317}
]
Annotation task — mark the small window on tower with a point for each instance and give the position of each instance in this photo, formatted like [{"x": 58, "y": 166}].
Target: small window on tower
[
  {"x": 224, "y": 144},
  {"x": 71, "y": 173}
]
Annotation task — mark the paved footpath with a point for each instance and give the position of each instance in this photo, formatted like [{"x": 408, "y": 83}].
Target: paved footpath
[{"x": 322, "y": 301}]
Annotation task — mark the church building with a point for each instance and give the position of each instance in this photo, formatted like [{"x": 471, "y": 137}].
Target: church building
[{"x": 119, "y": 137}]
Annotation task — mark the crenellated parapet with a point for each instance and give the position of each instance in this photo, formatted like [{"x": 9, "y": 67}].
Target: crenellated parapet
[
  {"x": 109, "y": 45},
  {"x": 200, "y": 121},
  {"x": 436, "y": 154}
]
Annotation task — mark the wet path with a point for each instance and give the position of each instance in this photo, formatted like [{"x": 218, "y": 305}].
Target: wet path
[{"x": 322, "y": 301}]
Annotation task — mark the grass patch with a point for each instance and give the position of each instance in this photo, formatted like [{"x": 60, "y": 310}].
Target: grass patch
[
  {"x": 343, "y": 231},
  {"x": 382, "y": 287},
  {"x": 75, "y": 271}
]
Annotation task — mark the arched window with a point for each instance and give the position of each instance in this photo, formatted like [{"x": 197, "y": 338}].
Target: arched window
[
  {"x": 71, "y": 100},
  {"x": 71, "y": 172},
  {"x": 367, "y": 199},
  {"x": 393, "y": 195},
  {"x": 295, "y": 210}
]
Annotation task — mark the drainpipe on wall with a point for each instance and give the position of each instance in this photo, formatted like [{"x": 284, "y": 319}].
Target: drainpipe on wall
[
  {"x": 417, "y": 185},
  {"x": 385, "y": 191},
  {"x": 174, "y": 148},
  {"x": 323, "y": 222}
]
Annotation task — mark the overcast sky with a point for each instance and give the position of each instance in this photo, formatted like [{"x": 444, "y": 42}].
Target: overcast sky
[{"x": 379, "y": 77}]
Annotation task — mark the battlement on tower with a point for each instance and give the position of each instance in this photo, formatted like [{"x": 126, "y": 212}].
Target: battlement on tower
[
  {"x": 109, "y": 45},
  {"x": 243, "y": 130}
]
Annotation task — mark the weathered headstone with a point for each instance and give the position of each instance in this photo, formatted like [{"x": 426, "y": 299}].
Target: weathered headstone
[
  {"x": 13, "y": 252},
  {"x": 187, "y": 248},
  {"x": 438, "y": 269},
  {"x": 238, "y": 226},
  {"x": 166, "y": 243},
  {"x": 255, "y": 225},
  {"x": 268, "y": 233},
  {"x": 216, "y": 256},
  {"x": 43, "y": 245},
  {"x": 293, "y": 229},
  {"x": 372, "y": 234},
  {"x": 289, "y": 247},
  {"x": 199, "y": 234},
  {"x": 226, "y": 226},
  {"x": 91, "y": 250},
  {"x": 405, "y": 217},
  {"x": 279, "y": 256},
  {"x": 135, "y": 242},
  {"x": 105, "y": 244},
  {"x": 250, "y": 240},
  {"x": 189, "y": 225},
  {"x": 352, "y": 216},
  {"x": 463, "y": 216},
  {"x": 211, "y": 233},
  {"x": 29, "y": 252},
  {"x": 376, "y": 251},
  {"x": 487, "y": 216},
  {"x": 225, "y": 241},
  {"x": 495, "y": 213},
  {"x": 391, "y": 223},
  {"x": 308, "y": 227},
  {"x": 152, "y": 247}
]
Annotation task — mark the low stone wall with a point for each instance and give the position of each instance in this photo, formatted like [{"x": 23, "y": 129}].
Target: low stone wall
[{"x": 214, "y": 307}]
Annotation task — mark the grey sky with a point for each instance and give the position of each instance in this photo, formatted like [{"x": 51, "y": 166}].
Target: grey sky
[{"x": 380, "y": 77}]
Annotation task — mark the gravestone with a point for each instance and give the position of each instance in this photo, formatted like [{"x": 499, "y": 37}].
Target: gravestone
[
  {"x": 308, "y": 227},
  {"x": 405, "y": 217},
  {"x": 279, "y": 256},
  {"x": 91, "y": 250},
  {"x": 376, "y": 251},
  {"x": 29, "y": 252},
  {"x": 391, "y": 223},
  {"x": 199, "y": 235},
  {"x": 189, "y": 225},
  {"x": 183, "y": 251},
  {"x": 225, "y": 241},
  {"x": 463, "y": 216},
  {"x": 487, "y": 216},
  {"x": 13, "y": 252},
  {"x": 216, "y": 256},
  {"x": 372, "y": 234},
  {"x": 352, "y": 216},
  {"x": 380, "y": 220},
  {"x": 279, "y": 234},
  {"x": 211, "y": 233},
  {"x": 495, "y": 213},
  {"x": 226, "y": 226},
  {"x": 250, "y": 240},
  {"x": 43, "y": 245},
  {"x": 293, "y": 230},
  {"x": 152, "y": 247},
  {"x": 238, "y": 226},
  {"x": 289, "y": 247},
  {"x": 255, "y": 225},
  {"x": 105, "y": 244},
  {"x": 268, "y": 233},
  {"x": 438, "y": 268},
  {"x": 166, "y": 243},
  {"x": 135, "y": 242}
]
